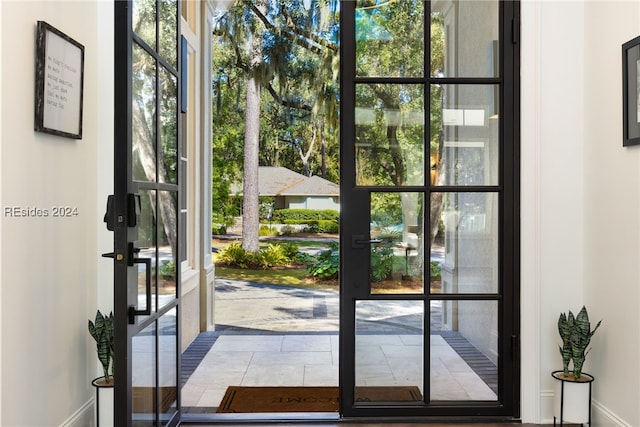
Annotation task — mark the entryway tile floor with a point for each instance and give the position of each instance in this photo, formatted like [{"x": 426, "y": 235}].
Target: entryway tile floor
[{"x": 271, "y": 335}]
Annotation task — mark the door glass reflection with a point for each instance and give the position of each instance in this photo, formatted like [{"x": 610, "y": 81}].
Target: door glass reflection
[
  {"x": 167, "y": 29},
  {"x": 146, "y": 243},
  {"x": 464, "y": 350},
  {"x": 465, "y": 136},
  {"x": 167, "y": 366},
  {"x": 467, "y": 261},
  {"x": 144, "y": 21},
  {"x": 143, "y": 116},
  {"x": 389, "y": 135},
  {"x": 168, "y": 131},
  {"x": 464, "y": 38},
  {"x": 167, "y": 246},
  {"x": 389, "y": 352},
  {"x": 397, "y": 253},
  {"x": 389, "y": 38},
  {"x": 143, "y": 377}
]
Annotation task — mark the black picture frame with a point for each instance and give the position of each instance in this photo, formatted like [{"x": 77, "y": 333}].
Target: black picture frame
[
  {"x": 59, "y": 83},
  {"x": 631, "y": 92}
]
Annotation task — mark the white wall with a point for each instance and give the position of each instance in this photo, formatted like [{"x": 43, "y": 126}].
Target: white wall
[
  {"x": 50, "y": 267},
  {"x": 580, "y": 201},
  {"x": 612, "y": 212}
]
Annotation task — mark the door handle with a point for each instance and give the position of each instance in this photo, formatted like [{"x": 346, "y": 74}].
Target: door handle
[
  {"x": 358, "y": 241},
  {"x": 133, "y": 311}
]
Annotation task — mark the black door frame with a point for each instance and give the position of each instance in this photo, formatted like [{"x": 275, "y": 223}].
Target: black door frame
[
  {"x": 123, "y": 212},
  {"x": 355, "y": 221}
]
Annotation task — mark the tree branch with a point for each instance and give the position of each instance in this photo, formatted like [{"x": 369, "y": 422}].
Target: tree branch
[
  {"x": 286, "y": 102},
  {"x": 295, "y": 34}
]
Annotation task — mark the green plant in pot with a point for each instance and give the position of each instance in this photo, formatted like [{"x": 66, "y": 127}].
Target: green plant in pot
[
  {"x": 102, "y": 332},
  {"x": 576, "y": 334}
]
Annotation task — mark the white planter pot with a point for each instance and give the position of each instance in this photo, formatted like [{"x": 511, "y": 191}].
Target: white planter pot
[
  {"x": 104, "y": 402},
  {"x": 572, "y": 399}
]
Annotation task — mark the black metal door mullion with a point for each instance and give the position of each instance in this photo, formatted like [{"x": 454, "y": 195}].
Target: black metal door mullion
[
  {"x": 507, "y": 404},
  {"x": 124, "y": 233}
]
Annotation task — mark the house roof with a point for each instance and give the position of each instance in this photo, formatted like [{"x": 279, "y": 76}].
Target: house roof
[
  {"x": 313, "y": 186},
  {"x": 280, "y": 181}
]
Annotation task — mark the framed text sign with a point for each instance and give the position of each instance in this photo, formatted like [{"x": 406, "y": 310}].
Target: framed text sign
[
  {"x": 631, "y": 92},
  {"x": 59, "y": 82}
]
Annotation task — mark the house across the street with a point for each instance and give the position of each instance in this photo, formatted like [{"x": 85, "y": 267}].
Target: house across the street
[{"x": 292, "y": 190}]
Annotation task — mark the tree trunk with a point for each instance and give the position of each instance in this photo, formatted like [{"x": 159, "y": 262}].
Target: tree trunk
[
  {"x": 250, "y": 218},
  {"x": 250, "y": 194},
  {"x": 167, "y": 208}
]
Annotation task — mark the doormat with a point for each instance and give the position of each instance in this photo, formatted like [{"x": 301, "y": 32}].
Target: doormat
[
  {"x": 306, "y": 399},
  {"x": 144, "y": 399}
]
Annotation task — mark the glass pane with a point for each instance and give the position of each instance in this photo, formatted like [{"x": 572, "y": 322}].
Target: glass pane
[
  {"x": 464, "y": 135},
  {"x": 146, "y": 242},
  {"x": 168, "y": 162},
  {"x": 168, "y": 226},
  {"x": 464, "y": 350},
  {"x": 464, "y": 38},
  {"x": 389, "y": 135},
  {"x": 468, "y": 258},
  {"x": 389, "y": 351},
  {"x": 389, "y": 38},
  {"x": 144, "y": 21},
  {"x": 143, "y": 116},
  {"x": 168, "y": 35},
  {"x": 167, "y": 366},
  {"x": 396, "y": 261},
  {"x": 143, "y": 377}
]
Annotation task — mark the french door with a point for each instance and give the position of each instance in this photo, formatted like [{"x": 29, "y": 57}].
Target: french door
[
  {"x": 429, "y": 217},
  {"x": 144, "y": 212}
]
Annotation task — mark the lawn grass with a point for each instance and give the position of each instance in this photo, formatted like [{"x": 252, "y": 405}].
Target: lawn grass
[{"x": 289, "y": 277}]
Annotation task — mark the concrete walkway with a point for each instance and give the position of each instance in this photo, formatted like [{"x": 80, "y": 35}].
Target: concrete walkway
[{"x": 263, "y": 307}]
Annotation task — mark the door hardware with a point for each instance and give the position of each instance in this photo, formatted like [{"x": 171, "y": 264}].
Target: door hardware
[
  {"x": 132, "y": 260},
  {"x": 358, "y": 241}
]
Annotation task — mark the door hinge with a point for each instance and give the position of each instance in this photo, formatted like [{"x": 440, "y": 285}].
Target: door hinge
[
  {"x": 515, "y": 346},
  {"x": 515, "y": 30}
]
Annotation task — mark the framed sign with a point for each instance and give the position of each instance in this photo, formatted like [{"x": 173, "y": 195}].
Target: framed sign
[
  {"x": 59, "y": 83},
  {"x": 631, "y": 92}
]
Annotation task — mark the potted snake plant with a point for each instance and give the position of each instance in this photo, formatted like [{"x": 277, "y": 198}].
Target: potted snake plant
[
  {"x": 573, "y": 387},
  {"x": 101, "y": 329}
]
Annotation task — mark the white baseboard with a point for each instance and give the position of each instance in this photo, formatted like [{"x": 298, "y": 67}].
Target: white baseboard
[
  {"x": 83, "y": 417},
  {"x": 601, "y": 416}
]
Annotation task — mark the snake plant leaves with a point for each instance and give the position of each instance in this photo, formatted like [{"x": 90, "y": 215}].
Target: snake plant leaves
[
  {"x": 565, "y": 326},
  {"x": 576, "y": 335},
  {"x": 102, "y": 332}
]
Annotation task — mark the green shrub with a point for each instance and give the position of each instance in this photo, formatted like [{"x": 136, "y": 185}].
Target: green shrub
[
  {"x": 272, "y": 256},
  {"x": 265, "y": 230},
  {"x": 290, "y": 249},
  {"x": 302, "y": 258},
  {"x": 435, "y": 269},
  {"x": 217, "y": 229},
  {"x": 316, "y": 225},
  {"x": 287, "y": 230},
  {"x": 234, "y": 255},
  {"x": 326, "y": 265},
  {"x": 381, "y": 263},
  {"x": 295, "y": 216},
  {"x": 167, "y": 269}
]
